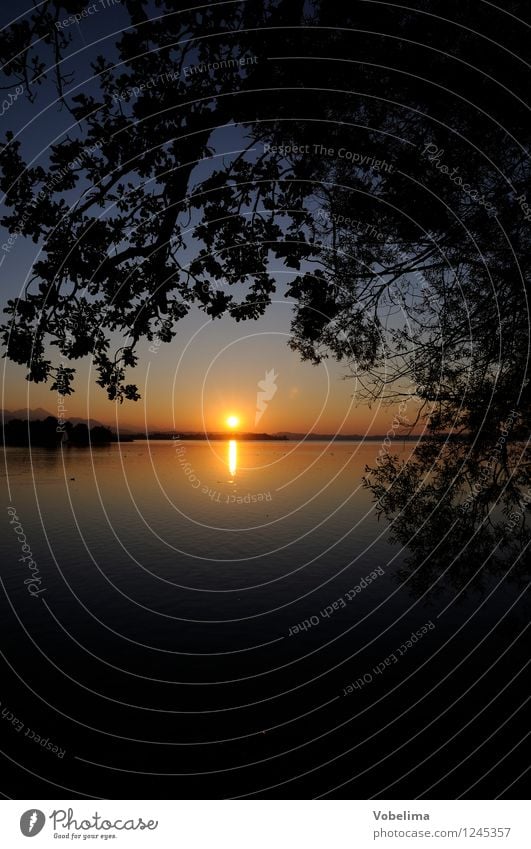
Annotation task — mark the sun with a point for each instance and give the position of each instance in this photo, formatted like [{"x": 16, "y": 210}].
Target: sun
[{"x": 233, "y": 421}]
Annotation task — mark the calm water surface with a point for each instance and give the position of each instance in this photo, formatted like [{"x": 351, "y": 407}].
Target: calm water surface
[
  {"x": 170, "y": 648},
  {"x": 276, "y": 520}
]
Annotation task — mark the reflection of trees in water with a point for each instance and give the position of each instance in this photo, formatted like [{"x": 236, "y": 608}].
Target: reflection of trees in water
[{"x": 460, "y": 510}]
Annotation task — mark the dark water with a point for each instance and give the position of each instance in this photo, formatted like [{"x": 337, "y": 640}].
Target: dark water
[{"x": 202, "y": 615}]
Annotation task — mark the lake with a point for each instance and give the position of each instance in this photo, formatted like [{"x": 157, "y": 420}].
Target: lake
[{"x": 232, "y": 619}]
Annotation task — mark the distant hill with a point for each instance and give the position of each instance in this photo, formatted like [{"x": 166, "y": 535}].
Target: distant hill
[
  {"x": 39, "y": 414},
  {"x": 25, "y": 414},
  {"x": 89, "y": 422},
  {"x": 202, "y": 435},
  {"x": 342, "y": 437},
  {"x": 323, "y": 437}
]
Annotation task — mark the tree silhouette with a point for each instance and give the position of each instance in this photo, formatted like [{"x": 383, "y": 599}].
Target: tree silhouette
[
  {"x": 112, "y": 256},
  {"x": 100, "y": 435},
  {"x": 48, "y": 433},
  {"x": 79, "y": 434},
  {"x": 398, "y": 238}
]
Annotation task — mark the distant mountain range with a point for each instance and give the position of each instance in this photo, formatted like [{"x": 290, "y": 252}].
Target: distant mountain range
[
  {"x": 39, "y": 413},
  {"x": 340, "y": 437}
]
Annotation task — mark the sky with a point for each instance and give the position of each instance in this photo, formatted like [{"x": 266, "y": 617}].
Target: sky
[{"x": 212, "y": 368}]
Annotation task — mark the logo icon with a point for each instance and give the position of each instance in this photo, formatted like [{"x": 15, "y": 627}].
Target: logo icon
[
  {"x": 31, "y": 822},
  {"x": 268, "y": 388}
]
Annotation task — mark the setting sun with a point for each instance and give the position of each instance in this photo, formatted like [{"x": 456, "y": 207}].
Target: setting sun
[{"x": 233, "y": 421}]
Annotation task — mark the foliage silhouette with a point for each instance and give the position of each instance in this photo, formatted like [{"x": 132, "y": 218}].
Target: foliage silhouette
[{"x": 49, "y": 433}]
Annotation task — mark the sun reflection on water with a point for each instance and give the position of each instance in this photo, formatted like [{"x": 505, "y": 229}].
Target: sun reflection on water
[{"x": 233, "y": 456}]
